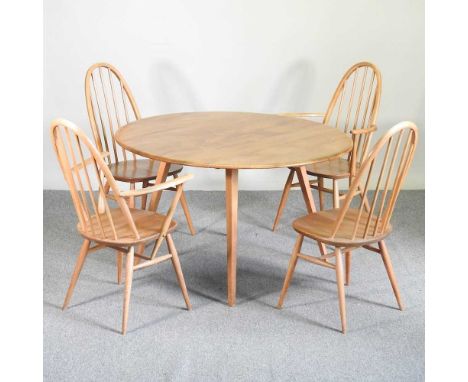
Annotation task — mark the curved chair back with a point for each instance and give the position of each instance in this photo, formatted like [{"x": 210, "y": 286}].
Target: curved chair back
[
  {"x": 356, "y": 100},
  {"x": 355, "y": 104},
  {"x": 86, "y": 173},
  {"x": 384, "y": 170},
  {"x": 110, "y": 104}
]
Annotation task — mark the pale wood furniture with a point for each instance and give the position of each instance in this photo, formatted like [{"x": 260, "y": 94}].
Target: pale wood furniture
[
  {"x": 346, "y": 228},
  {"x": 233, "y": 141},
  {"x": 353, "y": 109},
  {"x": 116, "y": 226},
  {"x": 110, "y": 104}
]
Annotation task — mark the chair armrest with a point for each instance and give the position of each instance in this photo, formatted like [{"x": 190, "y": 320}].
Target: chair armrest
[
  {"x": 157, "y": 187},
  {"x": 303, "y": 115},
  {"x": 364, "y": 131}
]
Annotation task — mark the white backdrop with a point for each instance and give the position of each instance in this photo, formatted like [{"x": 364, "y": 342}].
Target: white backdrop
[{"x": 260, "y": 56}]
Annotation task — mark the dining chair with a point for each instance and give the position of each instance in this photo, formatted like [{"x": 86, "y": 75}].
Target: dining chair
[
  {"x": 353, "y": 108},
  {"x": 348, "y": 228},
  {"x": 117, "y": 226},
  {"x": 110, "y": 104}
]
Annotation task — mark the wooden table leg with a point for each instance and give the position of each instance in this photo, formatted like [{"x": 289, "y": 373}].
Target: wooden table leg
[
  {"x": 160, "y": 178},
  {"x": 231, "y": 231},
  {"x": 308, "y": 199}
]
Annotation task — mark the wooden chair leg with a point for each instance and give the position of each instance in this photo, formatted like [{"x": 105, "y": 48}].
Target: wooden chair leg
[
  {"x": 178, "y": 270},
  {"x": 348, "y": 267},
  {"x": 308, "y": 199},
  {"x": 341, "y": 290},
  {"x": 391, "y": 274},
  {"x": 183, "y": 203},
  {"x": 321, "y": 196},
  {"x": 140, "y": 250},
  {"x": 336, "y": 194},
  {"x": 284, "y": 198},
  {"x": 144, "y": 197},
  {"x": 128, "y": 288},
  {"x": 291, "y": 268},
  {"x": 160, "y": 178},
  {"x": 120, "y": 256},
  {"x": 131, "y": 200},
  {"x": 76, "y": 273}
]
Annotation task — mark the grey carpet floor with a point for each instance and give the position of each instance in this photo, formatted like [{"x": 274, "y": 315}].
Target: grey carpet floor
[{"x": 253, "y": 341}]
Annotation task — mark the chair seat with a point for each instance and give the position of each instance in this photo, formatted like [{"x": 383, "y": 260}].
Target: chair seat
[
  {"x": 133, "y": 171},
  {"x": 148, "y": 225},
  {"x": 320, "y": 225},
  {"x": 331, "y": 169}
]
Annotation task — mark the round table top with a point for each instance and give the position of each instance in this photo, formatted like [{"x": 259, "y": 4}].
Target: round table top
[{"x": 233, "y": 140}]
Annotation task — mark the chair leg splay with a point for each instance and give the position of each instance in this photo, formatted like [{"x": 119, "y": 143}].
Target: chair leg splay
[
  {"x": 341, "y": 290},
  {"x": 76, "y": 273},
  {"x": 342, "y": 275},
  {"x": 291, "y": 268},
  {"x": 339, "y": 276},
  {"x": 390, "y": 273},
  {"x": 188, "y": 217},
  {"x": 178, "y": 270},
  {"x": 184, "y": 204},
  {"x": 284, "y": 198},
  {"x": 131, "y": 267},
  {"x": 128, "y": 288}
]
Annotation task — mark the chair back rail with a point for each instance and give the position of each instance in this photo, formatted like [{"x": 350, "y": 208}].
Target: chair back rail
[
  {"x": 384, "y": 170},
  {"x": 110, "y": 104}
]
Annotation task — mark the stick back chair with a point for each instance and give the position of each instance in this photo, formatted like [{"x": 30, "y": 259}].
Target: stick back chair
[
  {"x": 116, "y": 226},
  {"x": 110, "y": 104},
  {"x": 353, "y": 108},
  {"x": 347, "y": 228}
]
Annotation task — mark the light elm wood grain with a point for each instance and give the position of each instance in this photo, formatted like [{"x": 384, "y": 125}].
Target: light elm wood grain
[{"x": 233, "y": 140}]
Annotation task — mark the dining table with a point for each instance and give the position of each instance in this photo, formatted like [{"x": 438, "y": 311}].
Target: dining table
[{"x": 233, "y": 141}]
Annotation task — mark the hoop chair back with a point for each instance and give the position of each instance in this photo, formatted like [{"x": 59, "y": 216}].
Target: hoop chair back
[
  {"x": 86, "y": 172},
  {"x": 384, "y": 170},
  {"x": 110, "y": 104},
  {"x": 355, "y": 105}
]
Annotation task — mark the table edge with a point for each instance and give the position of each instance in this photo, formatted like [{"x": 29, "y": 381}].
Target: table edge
[{"x": 227, "y": 166}]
